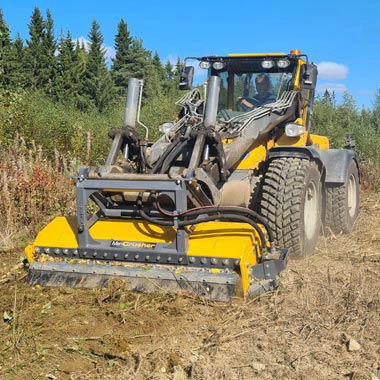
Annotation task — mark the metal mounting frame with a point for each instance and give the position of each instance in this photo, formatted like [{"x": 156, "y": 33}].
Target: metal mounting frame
[{"x": 91, "y": 189}]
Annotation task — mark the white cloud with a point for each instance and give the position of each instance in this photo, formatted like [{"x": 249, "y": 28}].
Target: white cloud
[
  {"x": 332, "y": 71},
  {"x": 337, "y": 88},
  {"x": 109, "y": 50}
]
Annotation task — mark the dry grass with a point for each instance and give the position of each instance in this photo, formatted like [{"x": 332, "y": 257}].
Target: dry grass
[{"x": 32, "y": 190}]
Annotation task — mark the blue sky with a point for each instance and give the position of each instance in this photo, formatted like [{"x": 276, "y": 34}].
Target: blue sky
[{"x": 341, "y": 37}]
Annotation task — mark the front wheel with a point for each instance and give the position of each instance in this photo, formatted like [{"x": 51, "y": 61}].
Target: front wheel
[{"x": 291, "y": 203}]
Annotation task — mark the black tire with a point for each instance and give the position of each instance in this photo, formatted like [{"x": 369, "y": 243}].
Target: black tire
[
  {"x": 291, "y": 203},
  {"x": 342, "y": 203}
]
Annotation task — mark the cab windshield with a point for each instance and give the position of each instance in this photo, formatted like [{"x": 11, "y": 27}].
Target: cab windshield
[{"x": 246, "y": 85}]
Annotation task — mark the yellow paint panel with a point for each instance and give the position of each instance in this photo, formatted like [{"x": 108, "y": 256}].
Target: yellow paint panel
[
  {"x": 215, "y": 239},
  {"x": 61, "y": 233},
  {"x": 253, "y": 158},
  {"x": 222, "y": 239},
  {"x": 256, "y": 155},
  {"x": 292, "y": 141},
  {"x": 321, "y": 141},
  {"x": 131, "y": 231}
]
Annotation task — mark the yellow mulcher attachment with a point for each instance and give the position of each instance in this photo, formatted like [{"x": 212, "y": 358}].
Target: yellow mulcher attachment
[{"x": 197, "y": 251}]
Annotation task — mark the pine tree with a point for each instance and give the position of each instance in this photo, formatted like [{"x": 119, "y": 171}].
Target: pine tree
[
  {"x": 159, "y": 67},
  {"x": 172, "y": 77},
  {"x": 40, "y": 57},
  {"x": 5, "y": 52},
  {"x": 81, "y": 100},
  {"x": 98, "y": 89},
  {"x": 49, "y": 46},
  {"x": 12, "y": 74},
  {"x": 119, "y": 63},
  {"x": 136, "y": 60},
  {"x": 18, "y": 76},
  {"x": 138, "y": 65},
  {"x": 178, "y": 69},
  {"x": 66, "y": 86},
  {"x": 169, "y": 70},
  {"x": 327, "y": 99},
  {"x": 34, "y": 52}
]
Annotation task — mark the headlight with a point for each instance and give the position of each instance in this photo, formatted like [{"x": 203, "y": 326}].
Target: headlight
[
  {"x": 204, "y": 65},
  {"x": 218, "y": 65},
  {"x": 294, "y": 130},
  {"x": 267, "y": 64},
  {"x": 283, "y": 63}
]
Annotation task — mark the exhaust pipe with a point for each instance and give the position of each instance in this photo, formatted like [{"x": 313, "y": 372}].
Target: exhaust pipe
[
  {"x": 131, "y": 109},
  {"x": 213, "y": 88},
  {"x": 130, "y": 118}
]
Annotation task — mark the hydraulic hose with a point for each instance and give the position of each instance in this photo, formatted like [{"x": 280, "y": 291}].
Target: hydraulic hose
[
  {"x": 205, "y": 218},
  {"x": 214, "y": 209},
  {"x": 172, "y": 155},
  {"x": 208, "y": 218},
  {"x": 160, "y": 161},
  {"x": 235, "y": 211},
  {"x": 143, "y": 158}
]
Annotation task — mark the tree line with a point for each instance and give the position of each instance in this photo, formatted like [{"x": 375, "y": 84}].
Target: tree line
[{"x": 70, "y": 72}]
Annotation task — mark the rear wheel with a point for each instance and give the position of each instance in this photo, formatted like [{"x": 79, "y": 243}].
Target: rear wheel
[
  {"x": 342, "y": 203},
  {"x": 291, "y": 202}
]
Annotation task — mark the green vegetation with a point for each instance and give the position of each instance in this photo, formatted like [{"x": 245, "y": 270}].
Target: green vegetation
[
  {"x": 338, "y": 121},
  {"x": 59, "y": 98}
]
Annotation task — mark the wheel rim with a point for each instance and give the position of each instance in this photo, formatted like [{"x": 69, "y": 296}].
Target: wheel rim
[
  {"x": 352, "y": 200},
  {"x": 311, "y": 210}
]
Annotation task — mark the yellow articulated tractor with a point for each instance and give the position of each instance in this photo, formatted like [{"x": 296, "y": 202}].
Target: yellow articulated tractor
[{"x": 233, "y": 187}]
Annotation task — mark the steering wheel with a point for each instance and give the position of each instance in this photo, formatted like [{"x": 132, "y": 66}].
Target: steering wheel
[{"x": 243, "y": 104}]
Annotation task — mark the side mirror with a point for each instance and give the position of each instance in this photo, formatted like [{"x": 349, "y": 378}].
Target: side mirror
[
  {"x": 308, "y": 78},
  {"x": 186, "y": 81}
]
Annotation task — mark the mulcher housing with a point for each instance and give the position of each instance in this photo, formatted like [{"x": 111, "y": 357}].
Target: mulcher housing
[{"x": 215, "y": 205}]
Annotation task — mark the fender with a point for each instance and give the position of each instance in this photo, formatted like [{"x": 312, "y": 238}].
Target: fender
[
  {"x": 337, "y": 163},
  {"x": 334, "y": 163}
]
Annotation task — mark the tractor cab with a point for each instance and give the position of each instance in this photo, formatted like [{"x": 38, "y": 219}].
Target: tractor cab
[{"x": 249, "y": 81}]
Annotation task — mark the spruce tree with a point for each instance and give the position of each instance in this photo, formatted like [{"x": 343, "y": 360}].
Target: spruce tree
[
  {"x": 159, "y": 67},
  {"x": 137, "y": 59},
  {"x": 40, "y": 60},
  {"x": 98, "y": 89},
  {"x": 81, "y": 100},
  {"x": 5, "y": 52},
  {"x": 169, "y": 71},
  {"x": 49, "y": 46},
  {"x": 66, "y": 86},
  {"x": 12, "y": 75},
  {"x": 18, "y": 76},
  {"x": 34, "y": 51},
  {"x": 119, "y": 63}
]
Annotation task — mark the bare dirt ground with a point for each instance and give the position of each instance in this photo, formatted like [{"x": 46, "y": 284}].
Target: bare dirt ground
[{"x": 323, "y": 322}]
